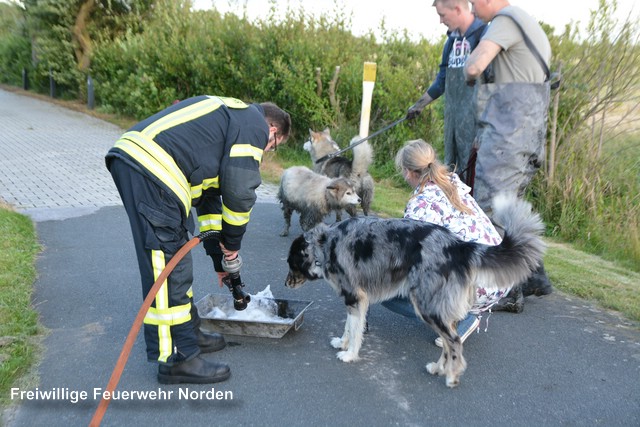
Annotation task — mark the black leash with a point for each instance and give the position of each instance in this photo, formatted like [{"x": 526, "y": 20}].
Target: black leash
[{"x": 337, "y": 153}]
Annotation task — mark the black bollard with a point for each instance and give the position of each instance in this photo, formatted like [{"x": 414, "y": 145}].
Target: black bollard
[
  {"x": 25, "y": 79},
  {"x": 90, "y": 93},
  {"x": 52, "y": 84}
]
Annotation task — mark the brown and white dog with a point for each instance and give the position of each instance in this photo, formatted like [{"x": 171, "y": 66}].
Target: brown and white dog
[
  {"x": 321, "y": 144},
  {"x": 313, "y": 195}
]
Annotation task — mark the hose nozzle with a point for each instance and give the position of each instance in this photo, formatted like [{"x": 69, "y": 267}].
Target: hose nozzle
[{"x": 233, "y": 281}]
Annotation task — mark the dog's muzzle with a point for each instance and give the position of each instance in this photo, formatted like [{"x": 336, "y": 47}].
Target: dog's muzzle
[{"x": 294, "y": 280}]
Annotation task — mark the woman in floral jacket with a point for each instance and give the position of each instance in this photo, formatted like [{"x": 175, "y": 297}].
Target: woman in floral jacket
[{"x": 441, "y": 198}]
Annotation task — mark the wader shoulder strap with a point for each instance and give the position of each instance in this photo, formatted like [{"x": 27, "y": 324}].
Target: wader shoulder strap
[{"x": 530, "y": 45}]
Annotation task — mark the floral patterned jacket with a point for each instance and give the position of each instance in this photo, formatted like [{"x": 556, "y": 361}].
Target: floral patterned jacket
[{"x": 432, "y": 205}]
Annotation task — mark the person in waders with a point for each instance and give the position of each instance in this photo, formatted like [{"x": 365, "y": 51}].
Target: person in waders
[
  {"x": 464, "y": 32},
  {"x": 511, "y": 114}
]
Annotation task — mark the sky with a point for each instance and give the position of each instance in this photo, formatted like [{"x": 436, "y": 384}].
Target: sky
[{"x": 418, "y": 16}]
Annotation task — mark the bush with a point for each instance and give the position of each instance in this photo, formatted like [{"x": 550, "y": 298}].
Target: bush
[
  {"x": 291, "y": 62},
  {"x": 15, "y": 48}
]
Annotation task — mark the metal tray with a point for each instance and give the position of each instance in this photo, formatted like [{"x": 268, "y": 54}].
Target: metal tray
[{"x": 290, "y": 315}]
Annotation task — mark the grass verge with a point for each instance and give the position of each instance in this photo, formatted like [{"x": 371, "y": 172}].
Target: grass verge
[
  {"x": 593, "y": 278},
  {"x": 18, "y": 320}
]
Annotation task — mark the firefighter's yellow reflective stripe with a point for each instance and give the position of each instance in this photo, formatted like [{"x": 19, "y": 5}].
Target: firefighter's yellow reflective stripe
[
  {"x": 182, "y": 115},
  {"x": 211, "y": 183},
  {"x": 190, "y": 292},
  {"x": 235, "y": 218},
  {"x": 246, "y": 150},
  {"x": 164, "y": 342},
  {"x": 170, "y": 316},
  {"x": 165, "y": 345},
  {"x": 210, "y": 222},
  {"x": 196, "y": 190},
  {"x": 160, "y": 156},
  {"x": 153, "y": 158},
  {"x": 231, "y": 102}
]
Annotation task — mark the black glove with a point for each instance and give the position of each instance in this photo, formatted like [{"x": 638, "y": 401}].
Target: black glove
[{"x": 413, "y": 112}]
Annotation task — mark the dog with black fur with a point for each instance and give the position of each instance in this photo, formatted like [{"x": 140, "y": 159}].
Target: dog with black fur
[{"x": 368, "y": 260}]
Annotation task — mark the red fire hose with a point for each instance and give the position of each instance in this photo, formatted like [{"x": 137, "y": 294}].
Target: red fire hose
[{"x": 137, "y": 323}]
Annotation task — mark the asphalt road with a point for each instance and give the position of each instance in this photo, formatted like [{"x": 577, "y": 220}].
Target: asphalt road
[{"x": 561, "y": 362}]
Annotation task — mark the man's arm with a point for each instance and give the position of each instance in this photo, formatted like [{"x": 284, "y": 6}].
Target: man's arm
[
  {"x": 480, "y": 59},
  {"x": 437, "y": 87}
]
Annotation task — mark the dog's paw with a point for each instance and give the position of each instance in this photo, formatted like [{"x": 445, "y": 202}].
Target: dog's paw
[
  {"x": 347, "y": 356},
  {"x": 338, "y": 343},
  {"x": 453, "y": 381},
  {"x": 434, "y": 369},
  {"x": 284, "y": 233}
]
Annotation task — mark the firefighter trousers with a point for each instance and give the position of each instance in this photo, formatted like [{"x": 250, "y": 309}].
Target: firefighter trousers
[{"x": 158, "y": 225}]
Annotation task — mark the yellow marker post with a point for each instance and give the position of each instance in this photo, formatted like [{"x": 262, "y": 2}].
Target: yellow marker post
[{"x": 368, "y": 82}]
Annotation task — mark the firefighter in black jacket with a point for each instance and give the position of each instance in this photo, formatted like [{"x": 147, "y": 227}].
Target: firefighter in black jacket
[{"x": 203, "y": 152}]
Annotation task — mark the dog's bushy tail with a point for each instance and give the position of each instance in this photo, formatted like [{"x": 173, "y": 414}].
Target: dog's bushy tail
[
  {"x": 362, "y": 157},
  {"x": 521, "y": 250}
]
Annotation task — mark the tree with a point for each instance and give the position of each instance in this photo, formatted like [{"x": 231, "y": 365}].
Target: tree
[{"x": 63, "y": 33}]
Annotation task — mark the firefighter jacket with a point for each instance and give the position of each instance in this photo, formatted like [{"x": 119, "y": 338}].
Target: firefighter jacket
[{"x": 206, "y": 151}]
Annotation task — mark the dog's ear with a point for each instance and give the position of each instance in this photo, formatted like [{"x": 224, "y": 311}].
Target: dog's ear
[
  {"x": 339, "y": 187},
  {"x": 317, "y": 235},
  {"x": 337, "y": 190},
  {"x": 322, "y": 239},
  {"x": 326, "y": 131}
]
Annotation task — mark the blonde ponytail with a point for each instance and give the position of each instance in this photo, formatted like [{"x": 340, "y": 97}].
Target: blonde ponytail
[{"x": 419, "y": 156}]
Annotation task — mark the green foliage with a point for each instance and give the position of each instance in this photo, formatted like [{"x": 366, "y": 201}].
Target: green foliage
[
  {"x": 595, "y": 202},
  {"x": 15, "y": 49},
  {"x": 15, "y": 53},
  {"x": 600, "y": 73},
  {"x": 589, "y": 193},
  {"x": 43, "y": 38},
  {"x": 127, "y": 77},
  {"x": 291, "y": 62},
  {"x": 49, "y": 26}
]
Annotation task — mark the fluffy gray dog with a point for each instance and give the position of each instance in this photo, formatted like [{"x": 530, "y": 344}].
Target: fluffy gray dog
[
  {"x": 321, "y": 144},
  {"x": 313, "y": 195},
  {"x": 369, "y": 260}
]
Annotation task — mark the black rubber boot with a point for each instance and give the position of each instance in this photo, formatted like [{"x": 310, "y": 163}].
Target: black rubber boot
[
  {"x": 513, "y": 302},
  {"x": 209, "y": 343},
  {"x": 538, "y": 284},
  {"x": 194, "y": 371}
]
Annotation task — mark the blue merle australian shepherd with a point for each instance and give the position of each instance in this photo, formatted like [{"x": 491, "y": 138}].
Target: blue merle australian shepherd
[{"x": 369, "y": 260}]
